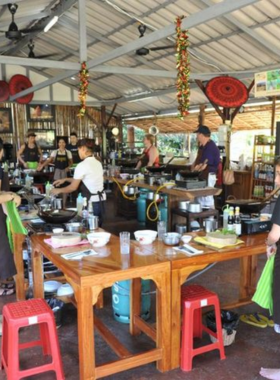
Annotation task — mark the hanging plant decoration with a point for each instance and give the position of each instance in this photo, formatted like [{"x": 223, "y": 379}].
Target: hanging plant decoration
[
  {"x": 183, "y": 69},
  {"x": 83, "y": 75}
]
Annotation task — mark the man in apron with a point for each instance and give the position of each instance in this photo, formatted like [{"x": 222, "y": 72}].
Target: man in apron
[
  {"x": 88, "y": 178},
  {"x": 74, "y": 148},
  {"x": 30, "y": 151},
  {"x": 62, "y": 159}
]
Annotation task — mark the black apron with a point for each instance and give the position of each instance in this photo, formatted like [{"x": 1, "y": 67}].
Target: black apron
[
  {"x": 31, "y": 154},
  {"x": 83, "y": 189},
  {"x": 7, "y": 265},
  {"x": 61, "y": 161},
  {"x": 75, "y": 154}
]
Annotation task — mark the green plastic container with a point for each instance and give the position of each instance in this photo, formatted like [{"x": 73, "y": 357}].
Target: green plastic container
[{"x": 32, "y": 164}]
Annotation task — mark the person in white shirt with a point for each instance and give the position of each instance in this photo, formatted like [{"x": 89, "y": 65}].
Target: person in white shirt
[{"x": 88, "y": 178}]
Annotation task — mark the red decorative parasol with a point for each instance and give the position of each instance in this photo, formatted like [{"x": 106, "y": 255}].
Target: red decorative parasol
[
  {"x": 20, "y": 83},
  {"x": 226, "y": 91},
  {"x": 4, "y": 91}
]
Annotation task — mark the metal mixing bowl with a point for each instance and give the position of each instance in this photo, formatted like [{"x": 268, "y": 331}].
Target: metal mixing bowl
[{"x": 171, "y": 238}]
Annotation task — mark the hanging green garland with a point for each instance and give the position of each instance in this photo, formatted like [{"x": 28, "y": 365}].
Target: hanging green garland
[
  {"x": 183, "y": 68},
  {"x": 84, "y": 75}
]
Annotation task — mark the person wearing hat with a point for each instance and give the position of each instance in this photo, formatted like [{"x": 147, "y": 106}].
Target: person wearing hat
[
  {"x": 208, "y": 156},
  {"x": 88, "y": 178},
  {"x": 29, "y": 151}
]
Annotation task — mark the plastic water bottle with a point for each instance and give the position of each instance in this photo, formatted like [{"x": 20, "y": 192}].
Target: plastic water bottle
[
  {"x": 225, "y": 216},
  {"x": 84, "y": 211},
  {"x": 80, "y": 203},
  {"x": 48, "y": 189}
]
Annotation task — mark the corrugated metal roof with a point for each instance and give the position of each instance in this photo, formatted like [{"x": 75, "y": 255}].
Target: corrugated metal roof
[{"x": 245, "y": 39}]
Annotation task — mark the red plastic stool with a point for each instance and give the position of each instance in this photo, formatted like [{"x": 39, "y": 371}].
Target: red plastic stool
[
  {"x": 22, "y": 314},
  {"x": 194, "y": 298}
]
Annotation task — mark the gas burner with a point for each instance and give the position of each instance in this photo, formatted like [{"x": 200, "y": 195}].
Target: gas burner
[
  {"x": 44, "y": 227},
  {"x": 191, "y": 183}
]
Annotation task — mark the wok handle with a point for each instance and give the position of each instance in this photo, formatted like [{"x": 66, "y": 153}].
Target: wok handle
[{"x": 271, "y": 195}]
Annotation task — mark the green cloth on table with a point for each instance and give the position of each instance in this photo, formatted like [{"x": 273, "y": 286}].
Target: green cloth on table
[
  {"x": 13, "y": 219},
  {"x": 263, "y": 295}
]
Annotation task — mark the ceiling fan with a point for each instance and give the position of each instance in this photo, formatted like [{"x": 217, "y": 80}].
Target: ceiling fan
[
  {"x": 144, "y": 51},
  {"x": 14, "y": 33},
  {"x": 31, "y": 53}
]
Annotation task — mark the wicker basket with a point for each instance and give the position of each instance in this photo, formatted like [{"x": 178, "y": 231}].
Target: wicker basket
[{"x": 227, "y": 339}]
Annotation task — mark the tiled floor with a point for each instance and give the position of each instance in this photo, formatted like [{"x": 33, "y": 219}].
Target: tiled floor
[{"x": 254, "y": 347}]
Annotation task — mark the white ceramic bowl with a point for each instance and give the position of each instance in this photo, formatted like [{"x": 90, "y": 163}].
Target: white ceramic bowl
[
  {"x": 58, "y": 230},
  {"x": 186, "y": 239},
  {"x": 145, "y": 236},
  {"x": 98, "y": 239},
  {"x": 124, "y": 175},
  {"x": 65, "y": 290},
  {"x": 169, "y": 185},
  {"x": 51, "y": 286}
]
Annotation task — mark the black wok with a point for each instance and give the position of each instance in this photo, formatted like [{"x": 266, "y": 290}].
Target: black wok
[
  {"x": 188, "y": 174},
  {"x": 57, "y": 216},
  {"x": 250, "y": 206},
  {"x": 156, "y": 169},
  {"x": 130, "y": 170}
]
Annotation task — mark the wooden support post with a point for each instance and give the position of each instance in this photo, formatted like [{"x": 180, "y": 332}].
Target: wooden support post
[
  {"x": 273, "y": 115},
  {"x": 103, "y": 125},
  {"x": 201, "y": 116}
]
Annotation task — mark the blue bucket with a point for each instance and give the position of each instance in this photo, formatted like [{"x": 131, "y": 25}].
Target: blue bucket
[{"x": 121, "y": 300}]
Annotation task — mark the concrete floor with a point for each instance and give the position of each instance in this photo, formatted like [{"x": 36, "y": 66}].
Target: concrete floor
[{"x": 254, "y": 347}]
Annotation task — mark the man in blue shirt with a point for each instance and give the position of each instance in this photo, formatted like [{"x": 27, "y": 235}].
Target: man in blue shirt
[{"x": 208, "y": 156}]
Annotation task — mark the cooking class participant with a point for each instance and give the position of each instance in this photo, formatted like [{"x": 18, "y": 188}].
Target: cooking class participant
[
  {"x": 150, "y": 155},
  {"x": 29, "y": 151},
  {"x": 207, "y": 160},
  {"x": 273, "y": 248},
  {"x": 208, "y": 156},
  {"x": 88, "y": 178},
  {"x": 74, "y": 148},
  {"x": 62, "y": 159}
]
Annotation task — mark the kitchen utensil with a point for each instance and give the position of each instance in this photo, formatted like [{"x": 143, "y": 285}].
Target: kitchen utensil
[
  {"x": 98, "y": 239},
  {"x": 189, "y": 174},
  {"x": 66, "y": 239},
  {"x": 56, "y": 216},
  {"x": 65, "y": 290},
  {"x": 92, "y": 222},
  {"x": 171, "y": 238},
  {"x": 145, "y": 236},
  {"x": 186, "y": 239},
  {"x": 194, "y": 207},
  {"x": 181, "y": 228},
  {"x": 210, "y": 225},
  {"x": 74, "y": 227},
  {"x": 57, "y": 230},
  {"x": 184, "y": 205},
  {"x": 129, "y": 190},
  {"x": 51, "y": 286},
  {"x": 156, "y": 169}
]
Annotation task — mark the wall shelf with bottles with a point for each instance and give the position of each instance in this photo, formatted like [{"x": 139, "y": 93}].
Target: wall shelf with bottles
[{"x": 262, "y": 177}]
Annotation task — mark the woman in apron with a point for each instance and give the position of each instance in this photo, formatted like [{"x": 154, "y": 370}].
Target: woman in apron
[
  {"x": 62, "y": 159},
  {"x": 29, "y": 152},
  {"x": 88, "y": 178}
]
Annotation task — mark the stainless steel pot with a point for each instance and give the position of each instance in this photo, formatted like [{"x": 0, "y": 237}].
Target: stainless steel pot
[
  {"x": 74, "y": 227},
  {"x": 181, "y": 228},
  {"x": 210, "y": 225},
  {"x": 194, "y": 207},
  {"x": 129, "y": 190},
  {"x": 151, "y": 194},
  {"x": 92, "y": 222},
  {"x": 171, "y": 238},
  {"x": 184, "y": 205}
]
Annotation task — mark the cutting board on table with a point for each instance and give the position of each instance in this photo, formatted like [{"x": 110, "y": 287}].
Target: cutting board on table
[{"x": 217, "y": 245}]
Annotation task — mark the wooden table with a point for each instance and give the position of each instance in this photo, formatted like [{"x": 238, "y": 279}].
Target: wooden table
[
  {"x": 183, "y": 266},
  {"x": 88, "y": 278}
]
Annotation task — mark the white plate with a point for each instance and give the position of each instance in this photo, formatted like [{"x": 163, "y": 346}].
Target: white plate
[{"x": 51, "y": 286}]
